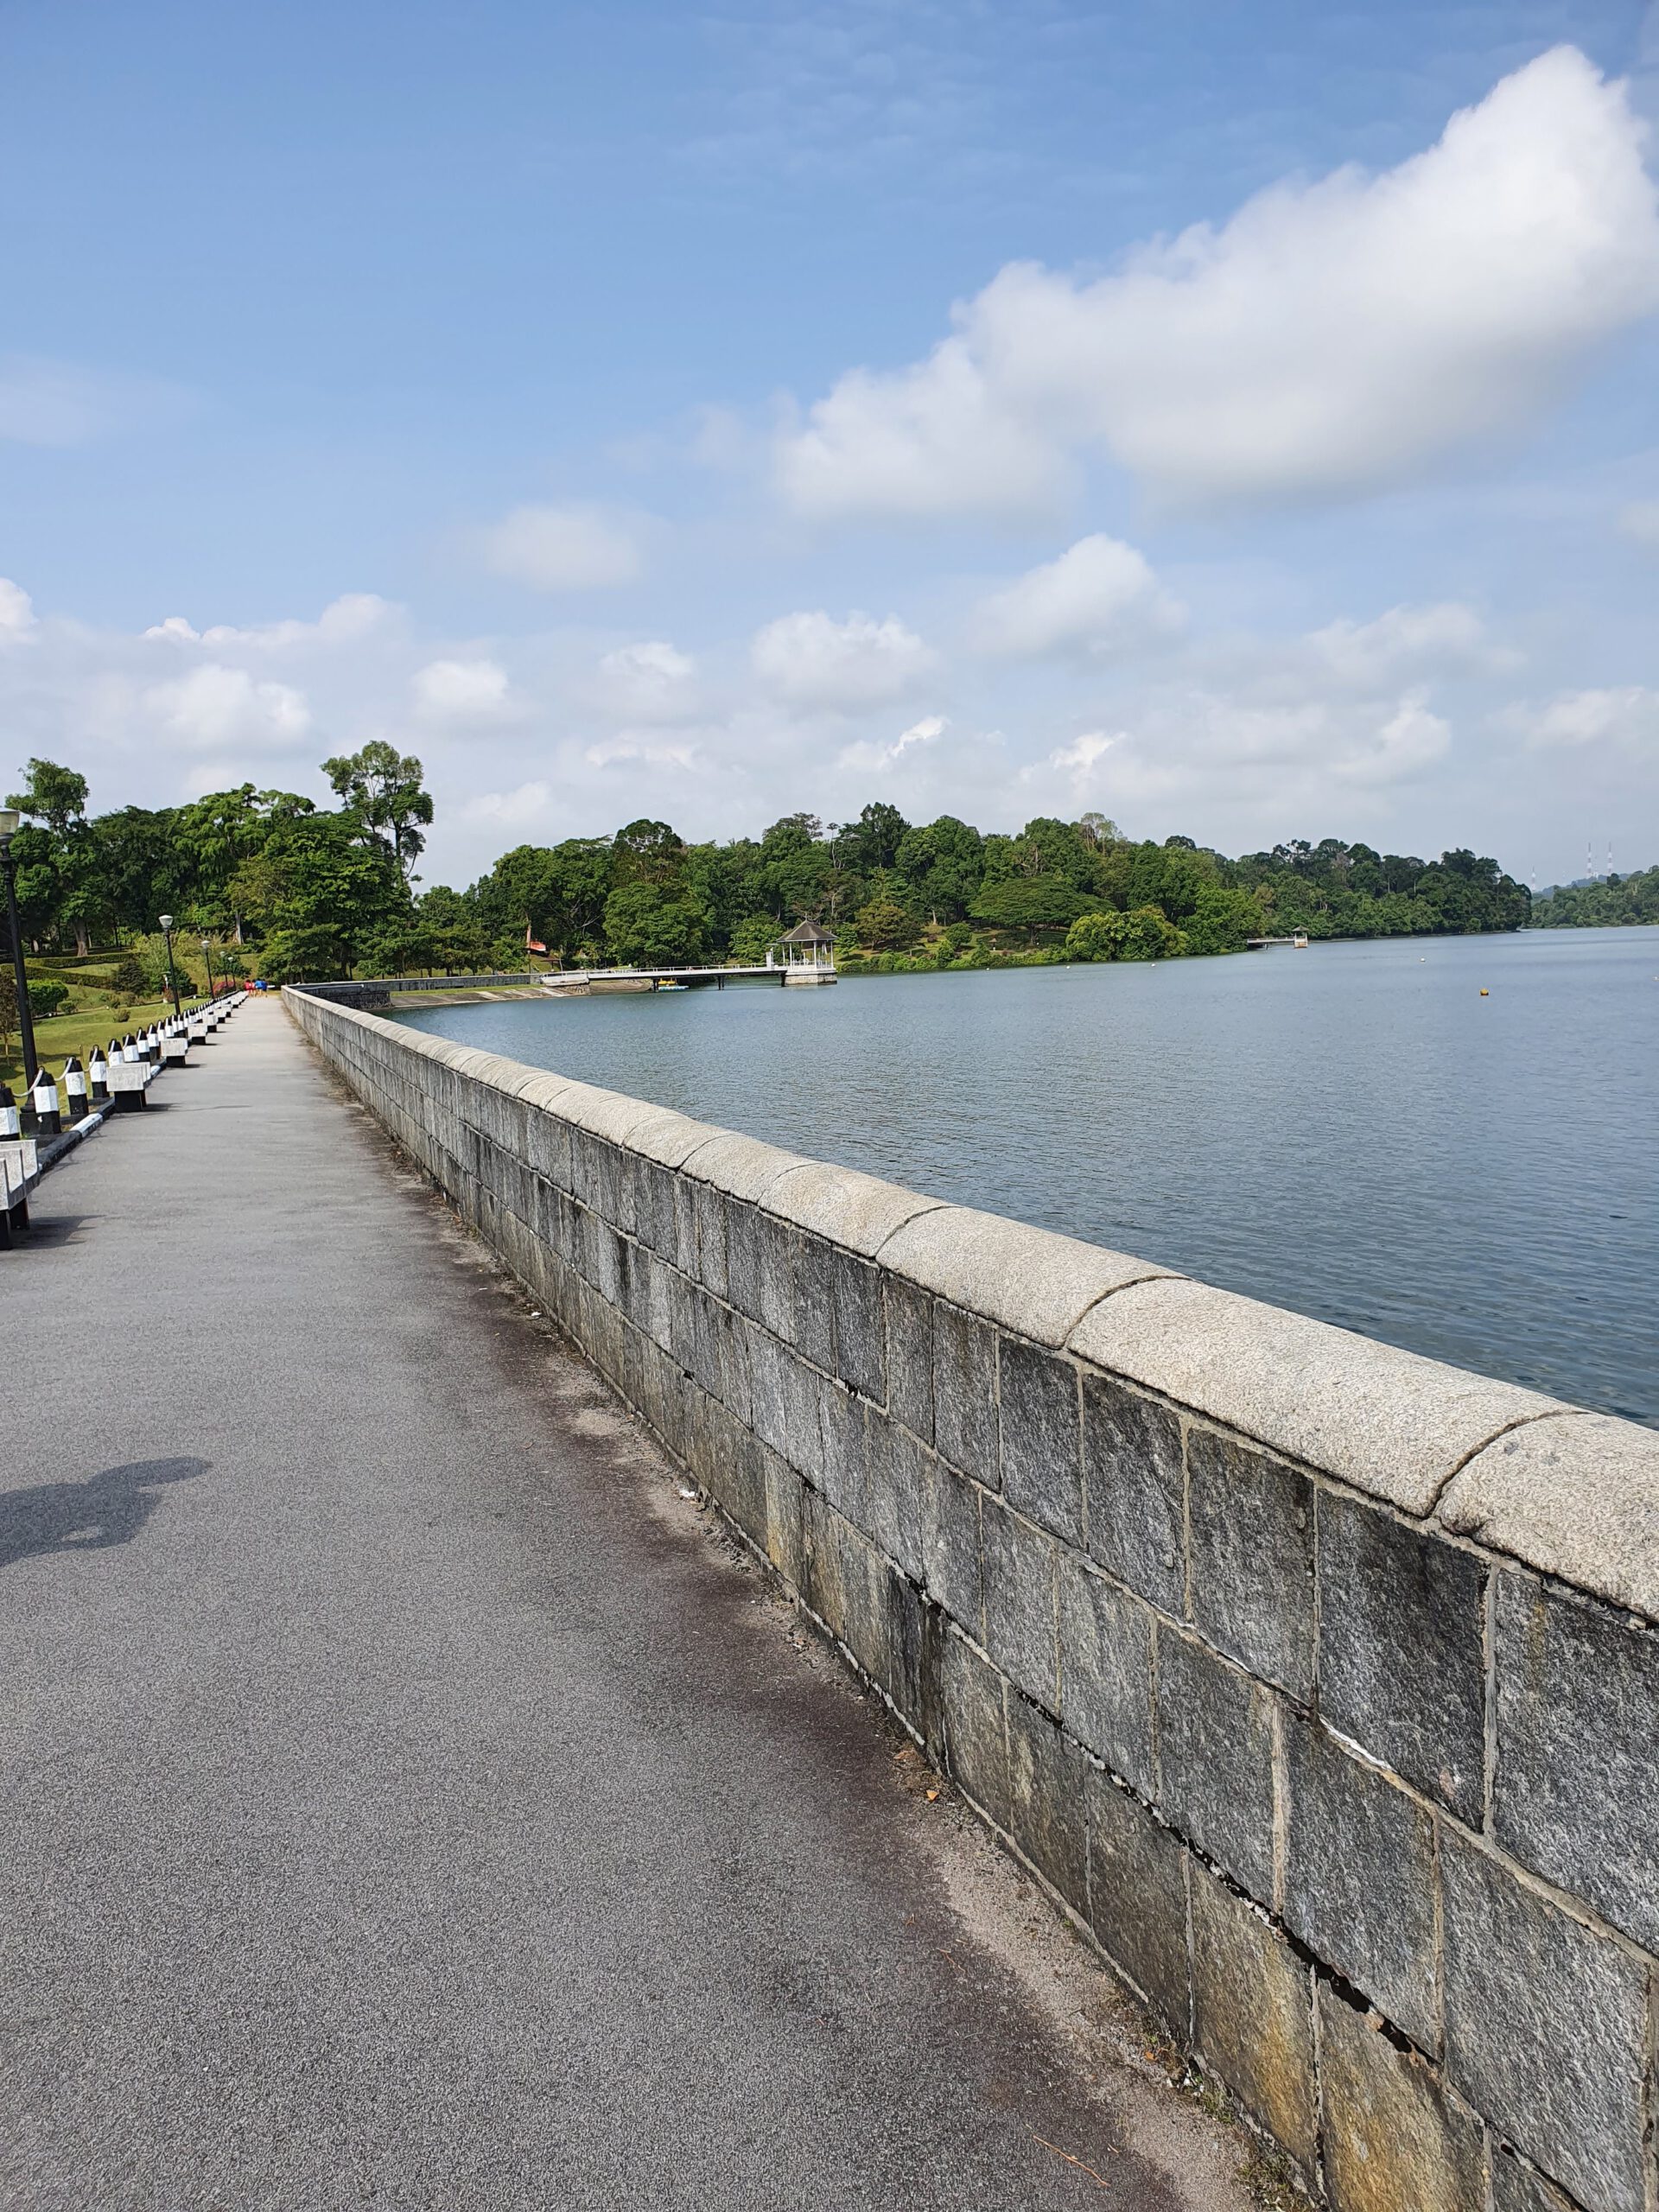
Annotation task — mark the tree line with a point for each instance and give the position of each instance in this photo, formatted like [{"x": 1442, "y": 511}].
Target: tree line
[
  {"x": 1618, "y": 902},
  {"x": 324, "y": 892}
]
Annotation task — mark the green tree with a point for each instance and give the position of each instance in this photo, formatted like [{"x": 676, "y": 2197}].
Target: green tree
[
  {"x": 383, "y": 787},
  {"x": 646, "y": 930},
  {"x": 1142, "y": 934},
  {"x": 885, "y": 926},
  {"x": 1029, "y": 902}
]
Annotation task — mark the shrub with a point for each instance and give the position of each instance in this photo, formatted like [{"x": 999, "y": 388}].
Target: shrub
[
  {"x": 1143, "y": 934},
  {"x": 46, "y": 996}
]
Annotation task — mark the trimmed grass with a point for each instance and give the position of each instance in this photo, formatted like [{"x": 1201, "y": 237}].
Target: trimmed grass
[{"x": 54, "y": 1040}]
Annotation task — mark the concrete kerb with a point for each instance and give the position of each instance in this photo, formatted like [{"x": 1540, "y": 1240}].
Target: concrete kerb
[{"x": 1388, "y": 1423}]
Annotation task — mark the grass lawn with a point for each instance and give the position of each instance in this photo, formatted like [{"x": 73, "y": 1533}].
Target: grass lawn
[{"x": 63, "y": 1033}]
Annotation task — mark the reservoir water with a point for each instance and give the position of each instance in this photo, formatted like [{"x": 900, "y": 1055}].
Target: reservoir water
[{"x": 1352, "y": 1131}]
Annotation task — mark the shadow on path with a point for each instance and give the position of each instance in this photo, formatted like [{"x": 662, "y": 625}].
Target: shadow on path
[{"x": 109, "y": 1508}]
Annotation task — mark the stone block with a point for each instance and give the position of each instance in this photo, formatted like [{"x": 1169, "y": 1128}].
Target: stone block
[
  {"x": 964, "y": 1394},
  {"x": 1134, "y": 1484},
  {"x": 858, "y": 1213},
  {"x": 708, "y": 1208},
  {"x": 1576, "y": 1795},
  {"x": 1215, "y": 1759},
  {"x": 1250, "y": 1519},
  {"x": 1021, "y": 1594},
  {"x": 1359, "y": 1879},
  {"x": 1047, "y": 1773},
  {"x": 1253, "y": 2015},
  {"x": 812, "y": 1304},
  {"x": 860, "y": 1330},
  {"x": 1401, "y": 1651},
  {"x": 548, "y": 1139},
  {"x": 749, "y": 1237},
  {"x": 668, "y": 1139},
  {"x": 914, "y": 1631},
  {"x": 736, "y": 1380},
  {"x": 1518, "y": 2188},
  {"x": 786, "y": 1530},
  {"x": 803, "y": 1426},
  {"x": 1040, "y": 1434},
  {"x": 1577, "y": 1498},
  {"x": 860, "y": 1612},
  {"x": 1137, "y": 1899},
  {"x": 1384, "y": 1422},
  {"x": 1027, "y": 1280},
  {"x": 976, "y": 1729},
  {"x": 768, "y": 1364},
  {"x": 655, "y": 1221},
  {"x": 776, "y": 1246},
  {"x": 1393, "y": 2137},
  {"x": 1106, "y": 1671},
  {"x": 909, "y": 1315},
  {"x": 895, "y": 1496},
  {"x": 950, "y": 1546},
  {"x": 1546, "y": 2029},
  {"x": 845, "y": 1454}
]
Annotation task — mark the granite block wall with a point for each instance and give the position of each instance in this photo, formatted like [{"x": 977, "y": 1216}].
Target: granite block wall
[{"x": 1318, "y": 1682}]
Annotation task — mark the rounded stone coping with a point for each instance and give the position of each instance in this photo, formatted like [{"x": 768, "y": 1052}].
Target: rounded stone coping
[
  {"x": 1576, "y": 1496},
  {"x": 1389, "y": 1422},
  {"x": 859, "y": 1212},
  {"x": 1030, "y": 1281}
]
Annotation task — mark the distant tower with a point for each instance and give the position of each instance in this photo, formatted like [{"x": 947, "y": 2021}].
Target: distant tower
[{"x": 1590, "y": 859}]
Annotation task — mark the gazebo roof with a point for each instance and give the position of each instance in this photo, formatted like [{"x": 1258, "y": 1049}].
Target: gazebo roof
[{"x": 807, "y": 933}]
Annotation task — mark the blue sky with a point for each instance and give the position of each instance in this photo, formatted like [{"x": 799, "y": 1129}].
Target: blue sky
[{"x": 649, "y": 409}]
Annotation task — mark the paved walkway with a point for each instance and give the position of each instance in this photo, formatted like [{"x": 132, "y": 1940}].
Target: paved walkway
[{"x": 402, "y": 1799}]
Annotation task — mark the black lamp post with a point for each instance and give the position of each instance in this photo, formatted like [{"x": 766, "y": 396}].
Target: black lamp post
[
  {"x": 207, "y": 954},
  {"x": 165, "y": 921},
  {"x": 9, "y": 819}
]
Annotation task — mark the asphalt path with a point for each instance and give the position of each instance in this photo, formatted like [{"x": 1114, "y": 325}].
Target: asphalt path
[{"x": 405, "y": 1799}]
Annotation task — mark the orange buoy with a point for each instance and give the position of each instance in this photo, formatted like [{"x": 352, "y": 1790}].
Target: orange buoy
[{"x": 1485, "y": 992}]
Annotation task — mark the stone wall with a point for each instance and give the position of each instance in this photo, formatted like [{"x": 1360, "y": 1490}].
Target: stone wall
[{"x": 1320, "y": 1682}]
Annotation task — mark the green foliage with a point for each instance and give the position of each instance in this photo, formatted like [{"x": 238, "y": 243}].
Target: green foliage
[
  {"x": 1617, "y": 902},
  {"x": 646, "y": 930},
  {"x": 1029, "y": 902},
  {"x": 318, "y": 892},
  {"x": 382, "y": 787},
  {"x": 884, "y": 925},
  {"x": 45, "y": 996},
  {"x": 1144, "y": 933}
]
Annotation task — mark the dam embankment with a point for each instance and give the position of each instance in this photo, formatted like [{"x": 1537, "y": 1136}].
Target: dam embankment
[{"x": 1317, "y": 1680}]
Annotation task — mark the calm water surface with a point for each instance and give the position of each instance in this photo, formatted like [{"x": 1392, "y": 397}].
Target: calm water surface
[{"x": 1351, "y": 1131}]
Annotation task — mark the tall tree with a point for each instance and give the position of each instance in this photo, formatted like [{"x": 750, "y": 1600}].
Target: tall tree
[{"x": 383, "y": 787}]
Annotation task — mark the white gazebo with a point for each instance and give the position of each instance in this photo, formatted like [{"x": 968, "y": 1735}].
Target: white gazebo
[{"x": 806, "y": 954}]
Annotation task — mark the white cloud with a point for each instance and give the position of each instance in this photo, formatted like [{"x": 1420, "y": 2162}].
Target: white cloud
[
  {"x": 1640, "y": 521},
  {"x": 1099, "y": 598},
  {"x": 460, "y": 690},
  {"x": 344, "y": 622},
  {"x": 1626, "y": 716},
  {"x": 568, "y": 548},
  {"x": 1444, "y": 639},
  {"x": 215, "y": 705},
  {"x": 878, "y": 760},
  {"x": 16, "y": 613},
  {"x": 514, "y": 809},
  {"x": 651, "y": 681},
  {"x": 1329, "y": 338},
  {"x": 813, "y": 661},
  {"x": 1081, "y": 759}
]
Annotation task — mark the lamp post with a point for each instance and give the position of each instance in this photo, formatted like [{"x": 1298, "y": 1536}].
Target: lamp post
[
  {"x": 165, "y": 921},
  {"x": 207, "y": 954},
  {"x": 9, "y": 819}
]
